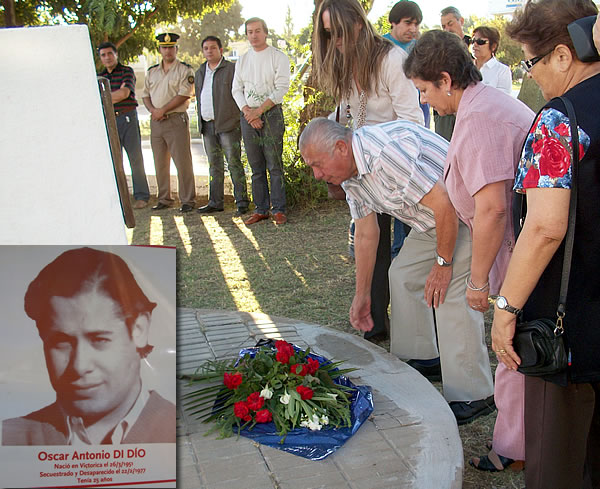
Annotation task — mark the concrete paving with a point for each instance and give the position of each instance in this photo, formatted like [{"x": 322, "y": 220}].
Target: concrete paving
[{"x": 410, "y": 441}]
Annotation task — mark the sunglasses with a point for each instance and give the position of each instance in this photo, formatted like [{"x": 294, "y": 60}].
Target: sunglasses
[
  {"x": 480, "y": 42},
  {"x": 528, "y": 64}
]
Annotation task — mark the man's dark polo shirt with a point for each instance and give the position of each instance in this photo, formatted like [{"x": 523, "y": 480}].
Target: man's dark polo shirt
[{"x": 122, "y": 74}]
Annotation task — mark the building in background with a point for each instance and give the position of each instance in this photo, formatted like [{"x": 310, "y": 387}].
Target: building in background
[{"x": 503, "y": 7}]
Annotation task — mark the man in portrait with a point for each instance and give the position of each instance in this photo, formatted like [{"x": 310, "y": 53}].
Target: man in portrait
[{"x": 94, "y": 322}]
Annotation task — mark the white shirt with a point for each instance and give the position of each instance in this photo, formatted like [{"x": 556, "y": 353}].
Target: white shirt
[
  {"x": 396, "y": 96},
  {"x": 259, "y": 76},
  {"x": 497, "y": 75},
  {"x": 79, "y": 436},
  {"x": 206, "y": 96}
]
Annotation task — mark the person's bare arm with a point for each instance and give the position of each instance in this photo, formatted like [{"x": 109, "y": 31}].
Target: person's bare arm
[
  {"x": 366, "y": 240},
  {"x": 489, "y": 224},
  {"x": 120, "y": 94},
  {"x": 544, "y": 229},
  {"x": 446, "y": 226}
]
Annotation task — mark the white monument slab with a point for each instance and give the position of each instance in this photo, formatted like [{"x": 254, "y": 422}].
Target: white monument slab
[{"x": 57, "y": 182}]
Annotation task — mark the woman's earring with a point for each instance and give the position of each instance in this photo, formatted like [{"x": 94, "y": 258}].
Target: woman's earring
[{"x": 448, "y": 93}]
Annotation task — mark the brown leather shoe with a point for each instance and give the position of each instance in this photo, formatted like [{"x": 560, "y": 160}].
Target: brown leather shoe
[
  {"x": 140, "y": 204},
  {"x": 254, "y": 218},
  {"x": 279, "y": 218}
]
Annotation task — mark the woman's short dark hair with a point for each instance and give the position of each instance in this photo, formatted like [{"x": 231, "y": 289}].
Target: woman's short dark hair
[
  {"x": 437, "y": 52},
  {"x": 542, "y": 25},
  {"x": 491, "y": 34}
]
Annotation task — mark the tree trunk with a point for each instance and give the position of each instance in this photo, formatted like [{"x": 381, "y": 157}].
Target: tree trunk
[{"x": 10, "y": 18}]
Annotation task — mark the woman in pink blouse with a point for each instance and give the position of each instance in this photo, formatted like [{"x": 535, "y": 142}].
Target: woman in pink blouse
[{"x": 479, "y": 172}]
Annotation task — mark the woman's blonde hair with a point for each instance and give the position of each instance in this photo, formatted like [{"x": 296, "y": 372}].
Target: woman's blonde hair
[{"x": 362, "y": 58}]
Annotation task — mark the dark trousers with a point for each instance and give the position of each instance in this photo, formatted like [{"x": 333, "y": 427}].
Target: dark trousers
[
  {"x": 129, "y": 134},
  {"x": 264, "y": 148},
  {"x": 217, "y": 145},
  {"x": 562, "y": 435},
  {"x": 380, "y": 289}
]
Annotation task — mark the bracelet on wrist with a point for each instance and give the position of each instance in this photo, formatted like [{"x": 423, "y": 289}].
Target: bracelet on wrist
[{"x": 473, "y": 287}]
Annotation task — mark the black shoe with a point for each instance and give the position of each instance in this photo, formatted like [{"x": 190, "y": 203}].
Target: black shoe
[
  {"x": 467, "y": 411},
  {"x": 160, "y": 206},
  {"x": 186, "y": 208},
  {"x": 376, "y": 337},
  {"x": 430, "y": 372},
  {"x": 241, "y": 211},
  {"x": 207, "y": 209}
]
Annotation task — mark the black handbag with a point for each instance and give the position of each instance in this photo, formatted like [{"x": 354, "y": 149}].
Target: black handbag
[{"x": 539, "y": 343}]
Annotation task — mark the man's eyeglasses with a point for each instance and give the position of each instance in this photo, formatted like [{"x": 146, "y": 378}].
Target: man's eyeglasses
[
  {"x": 480, "y": 42},
  {"x": 528, "y": 64}
]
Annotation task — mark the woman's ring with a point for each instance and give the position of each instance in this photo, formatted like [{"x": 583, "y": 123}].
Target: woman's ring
[
  {"x": 435, "y": 292},
  {"x": 501, "y": 352}
]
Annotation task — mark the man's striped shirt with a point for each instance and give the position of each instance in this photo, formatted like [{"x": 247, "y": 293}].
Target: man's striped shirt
[
  {"x": 398, "y": 163},
  {"x": 122, "y": 74}
]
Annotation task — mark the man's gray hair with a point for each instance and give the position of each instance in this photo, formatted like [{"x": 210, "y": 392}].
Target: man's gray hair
[
  {"x": 256, "y": 19},
  {"x": 451, "y": 10},
  {"x": 323, "y": 133}
]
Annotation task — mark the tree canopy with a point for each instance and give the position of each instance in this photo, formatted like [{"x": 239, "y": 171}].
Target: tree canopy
[
  {"x": 223, "y": 24},
  {"x": 130, "y": 25}
]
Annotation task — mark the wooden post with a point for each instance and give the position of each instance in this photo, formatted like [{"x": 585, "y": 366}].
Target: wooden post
[{"x": 115, "y": 150}]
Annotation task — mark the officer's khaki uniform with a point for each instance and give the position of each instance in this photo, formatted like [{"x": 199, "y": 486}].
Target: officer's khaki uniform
[{"x": 171, "y": 136}]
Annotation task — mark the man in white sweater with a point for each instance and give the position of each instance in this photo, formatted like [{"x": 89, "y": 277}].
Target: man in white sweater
[{"x": 261, "y": 80}]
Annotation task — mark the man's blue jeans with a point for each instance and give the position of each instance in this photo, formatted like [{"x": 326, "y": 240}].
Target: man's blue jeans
[
  {"x": 129, "y": 134},
  {"x": 401, "y": 230},
  {"x": 264, "y": 148},
  {"x": 229, "y": 144}
]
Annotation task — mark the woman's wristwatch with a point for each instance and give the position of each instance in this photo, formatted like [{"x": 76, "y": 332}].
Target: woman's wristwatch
[{"x": 502, "y": 303}]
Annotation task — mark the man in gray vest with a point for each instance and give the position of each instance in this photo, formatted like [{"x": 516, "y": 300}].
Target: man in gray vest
[{"x": 219, "y": 124}]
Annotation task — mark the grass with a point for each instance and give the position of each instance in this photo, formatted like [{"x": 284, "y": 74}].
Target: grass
[{"x": 299, "y": 271}]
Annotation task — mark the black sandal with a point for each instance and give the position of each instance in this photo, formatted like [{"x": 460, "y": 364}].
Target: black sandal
[{"x": 486, "y": 463}]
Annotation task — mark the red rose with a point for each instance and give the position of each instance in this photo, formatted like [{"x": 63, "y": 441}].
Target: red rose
[
  {"x": 562, "y": 130},
  {"x": 303, "y": 369},
  {"x": 240, "y": 409},
  {"x": 532, "y": 178},
  {"x": 232, "y": 381},
  {"x": 554, "y": 158},
  {"x": 264, "y": 416},
  {"x": 305, "y": 392},
  {"x": 254, "y": 401},
  {"x": 313, "y": 365},
  {"x": 284, "y": 351},
  {"x": 285, "y": 347},
  {"x": 282, "y": 357}
]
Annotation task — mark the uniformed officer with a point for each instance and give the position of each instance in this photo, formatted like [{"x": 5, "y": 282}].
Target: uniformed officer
[{"x": 167, "y": 91}]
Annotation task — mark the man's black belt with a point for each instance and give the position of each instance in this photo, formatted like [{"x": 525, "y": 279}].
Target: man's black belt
[{"x": 123, "y": 111}]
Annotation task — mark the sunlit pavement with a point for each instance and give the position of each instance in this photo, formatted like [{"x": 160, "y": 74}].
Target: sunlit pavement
[{"x": 410, "y": 441}]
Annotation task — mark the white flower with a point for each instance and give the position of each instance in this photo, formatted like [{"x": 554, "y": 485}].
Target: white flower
[
  {"x": 285, "y": 399},
  {"x": 311, "y": 423},
  {"x": 266, "y": 393},
  {"x": 324, "y": 419}
]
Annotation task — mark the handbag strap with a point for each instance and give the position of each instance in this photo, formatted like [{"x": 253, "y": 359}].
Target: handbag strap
[
  {"x": 570, "y": 237},
  {"x": 337, "y": 114}
]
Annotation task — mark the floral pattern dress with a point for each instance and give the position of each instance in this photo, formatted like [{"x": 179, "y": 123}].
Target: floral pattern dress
[{"x": 547, "y": 153}]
